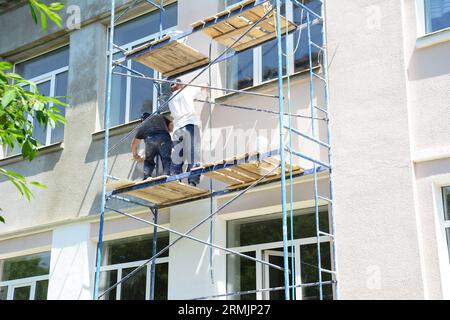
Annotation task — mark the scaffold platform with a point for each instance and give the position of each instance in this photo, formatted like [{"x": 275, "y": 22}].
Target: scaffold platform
[{"x": 236, "y": 173}]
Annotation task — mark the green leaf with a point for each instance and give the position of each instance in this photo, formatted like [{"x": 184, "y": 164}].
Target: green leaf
[
  {"x": 8, "y": 97},
  {"x": 2, "y": 219},
  {"x": 44, "y": 21},
  {"x": 33, "y": 12},
  {"x": 37, "y": 184},
  {"x": 5, "y": 65}
]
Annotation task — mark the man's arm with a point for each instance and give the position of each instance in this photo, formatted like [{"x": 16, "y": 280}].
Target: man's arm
[{"x": 134, "y": 146}]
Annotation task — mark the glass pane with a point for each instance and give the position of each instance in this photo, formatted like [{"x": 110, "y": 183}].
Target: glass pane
[
  {"x": 119, "y": 95},
  {"x": 438, "y": 15},
  {"x": 107, "y": 280},
  {"x": 301, "y": 54},
  {"x": 141, "y": 92},
  {"x": 240, "y": 70},
  {"x": 39, "y": 130},
  {"x": 46, "y": 63},
  {"x": 145, "y": 25},
  {"x": 133, "y": 249},
  {"x": 309, "y": 273},
  {"x": 276, "y": 277},
  {"x": 3, "y": 293},
  {"x": 22, "y": 293},
  {"x": 446, "y": 193},
  {"x": 270, "y": 59},
  {"x": 267, "y": 229},
  {"x": 25, "y": 267},
  {"x": 60, "y": 91},
  {"x": 161, "y": 281},
  {"x": 241, "y": 276},
  {"x": 41, "y": 290},
  {"x": 134, "y": 287}
]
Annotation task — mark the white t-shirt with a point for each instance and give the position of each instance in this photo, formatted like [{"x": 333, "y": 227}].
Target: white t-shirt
[{"x": 183, "y": 109}]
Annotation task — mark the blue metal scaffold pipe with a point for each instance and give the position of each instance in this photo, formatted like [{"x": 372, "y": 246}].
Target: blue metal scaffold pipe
[
  {"x": 105, "y": 160},
  {"x": 282, "y": 150}
]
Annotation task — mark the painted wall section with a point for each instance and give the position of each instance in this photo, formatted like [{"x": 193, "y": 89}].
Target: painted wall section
[
  {"x": 72, "y": 256},
  {"x": 189, "y": 275}
]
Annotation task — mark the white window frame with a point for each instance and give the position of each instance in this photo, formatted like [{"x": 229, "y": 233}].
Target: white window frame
[
  {"x": 119, "y": 267},
  {"x": 261, "y": 253},
  {"x": 441, "y": 237},
  {"x": 128, "y": 47},
  {"x": 425, "y": 38},
  {"x": 49, "y": 76},
  {"x": 20, "y": 283},
  {"x": 258, "y": 56}
]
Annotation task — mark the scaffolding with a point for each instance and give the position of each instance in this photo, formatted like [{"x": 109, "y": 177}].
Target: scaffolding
[{"x": 262, "y": 22}]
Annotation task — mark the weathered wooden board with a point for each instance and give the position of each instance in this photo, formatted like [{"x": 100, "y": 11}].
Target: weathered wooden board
[
  {"x": 230, "y": 32},
  {"x": 171, "y": 58}
]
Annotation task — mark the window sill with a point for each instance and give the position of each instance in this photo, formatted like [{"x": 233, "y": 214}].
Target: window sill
[
  {"x": 433, "y": 38},
  {"x": 41, "y": 151},
  {"x": 267, "y": 85},
  {"x": 115, "y": 131}
]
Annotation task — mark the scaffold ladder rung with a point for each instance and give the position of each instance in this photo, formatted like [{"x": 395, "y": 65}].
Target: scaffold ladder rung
[
  {"x": 326, "y": 234},
  {"x": 325, "y": 199},
  {"x": 320, "y": 77},
  {"x": 323, "y": 144},
  {"x": 321, "y": 109},
  {"x": 328, "y": 271},
  {"x": 317, "y": 46}
]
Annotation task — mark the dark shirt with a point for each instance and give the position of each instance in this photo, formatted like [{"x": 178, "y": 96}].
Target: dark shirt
[{"x": 154, "y": 124}]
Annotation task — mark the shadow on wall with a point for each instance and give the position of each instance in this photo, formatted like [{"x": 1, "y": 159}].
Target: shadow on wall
[
  {"x": 39, "y": 165},
  {"x": 429, "y": 62}
]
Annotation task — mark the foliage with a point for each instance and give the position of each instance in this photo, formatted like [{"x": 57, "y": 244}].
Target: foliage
[
  {"x": 22, "y": 106},
  {"x": 44, "y": 11}
]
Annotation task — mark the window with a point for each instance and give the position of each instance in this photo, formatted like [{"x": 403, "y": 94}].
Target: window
[
  {"x": 122, "y": 256},
  {"x": 132, "y": 96},
  {"x": 50, "y": 73},
  {"x": 437, "y": 15},
  {"x": 259, "y": 65},
  {"x": 262, "y": 237},
  {"x": 446, "y": 200},
  {"x": 25, "y": 278}
]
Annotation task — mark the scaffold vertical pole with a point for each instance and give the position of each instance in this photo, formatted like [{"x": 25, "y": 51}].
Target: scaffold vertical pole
[
  {"x": 105, "y": 151},
  {"x": 154, "y": 249},
  {"x": 330, "y": 151},
  {"x": 313, "y": 132},
  {"x": 282, "y": 150}
]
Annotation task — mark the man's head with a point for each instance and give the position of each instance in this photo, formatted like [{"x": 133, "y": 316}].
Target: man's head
[
  {"x": 176, "y": 86},
  {"x": 144, "y": 116}
]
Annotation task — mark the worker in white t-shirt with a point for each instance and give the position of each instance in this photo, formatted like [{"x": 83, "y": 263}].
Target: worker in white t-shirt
[{"x": 186, "y": 136}]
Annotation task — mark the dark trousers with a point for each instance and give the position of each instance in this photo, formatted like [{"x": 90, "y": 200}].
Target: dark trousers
[
  {"x": 186, "y": 149},
  {"x": 159, "y": 144}
]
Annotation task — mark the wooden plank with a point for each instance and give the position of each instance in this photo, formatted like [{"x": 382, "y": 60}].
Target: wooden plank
[
  {"x": 187, "y": 188},
  {"x": 161, "y": 193},
  {"x": 221, "y": 177},
  {"x": 245, "y": 172},
  {"x": 258, "y": 41},
  {"x": 229, "y": 172},
  {"x": 147, "y": 197},
  {"x": 252, "y": 167},
  {"x": 187, "y": 68}
]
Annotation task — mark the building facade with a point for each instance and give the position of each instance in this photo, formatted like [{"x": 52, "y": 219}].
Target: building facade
[{"x": 389, "y": 80}]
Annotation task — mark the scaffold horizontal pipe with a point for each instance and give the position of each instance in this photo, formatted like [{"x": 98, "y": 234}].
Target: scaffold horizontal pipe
[
  {"x": 159, "y": 6},
  {"x": 184, "y": 235},
  {"x": 301, "y": 134},
  {"x": 195, "y": 85},
  {"x": 301, "y": 155},
  {"x": 320, "y": 77},
  {"x": 242, "y": 293},
  {"x": 256, "y": 109},
  {"x": 301, "y": 5},
  {"x": 227, "y": 203}
]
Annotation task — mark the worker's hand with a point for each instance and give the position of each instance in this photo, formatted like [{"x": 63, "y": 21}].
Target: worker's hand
[{"x": 138, "y": 158}]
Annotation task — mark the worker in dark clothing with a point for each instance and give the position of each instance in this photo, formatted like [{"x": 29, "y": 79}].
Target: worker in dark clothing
[{"x": 158, "y": 142}]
